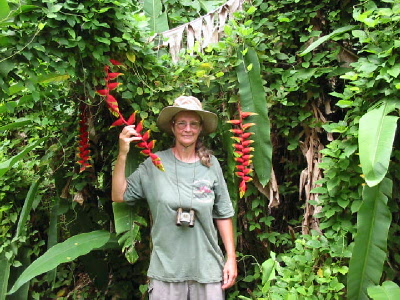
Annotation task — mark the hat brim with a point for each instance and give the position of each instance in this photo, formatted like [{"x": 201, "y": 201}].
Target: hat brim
[{"x": 209, "y": 119}]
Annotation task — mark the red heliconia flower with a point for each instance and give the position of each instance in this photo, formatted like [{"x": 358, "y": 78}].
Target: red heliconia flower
[
  {"x": 242, "y": 149},
  {"x": 112, "y": 103},
  {"x": 113, "y": 106},
  {"x": 234, "y": 122},
  {"x": 83, "y": 142},
  {"x": 111, "y": 76},
  {"x": 242, "y": 188},
  {"x": 245, "y": 114},
  {"x": 112, "y": 85},
  {"x": 148, "y": 146},
  {"x": 115, "y": 62},
  {"x": 246, "y": 135}
]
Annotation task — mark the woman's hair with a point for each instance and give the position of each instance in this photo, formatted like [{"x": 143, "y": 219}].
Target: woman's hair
[{"x": 204, "y": 153}]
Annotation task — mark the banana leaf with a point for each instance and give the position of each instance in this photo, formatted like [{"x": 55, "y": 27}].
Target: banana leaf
[
  {"x": 376, "y": 136},
  {"x": 26, "y": 209},
  {"x": 6, "y": 165},
  {"x": 127, "y": 223},
  {"x": 370, "y": 247},
  {"x": 63, "y": 252},
  {"x": 327, "y": 37},
  {"x": 4, "y": 275},
  {"x": 387, "y": 291},
  {"x": 252, "y": 99},
  {"x": 24, "y": 257}
]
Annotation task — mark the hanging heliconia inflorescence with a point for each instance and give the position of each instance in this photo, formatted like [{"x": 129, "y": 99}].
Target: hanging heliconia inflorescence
[
  {"x": 112, "y": 103},
  {"x": 83, "y": 142},
  {"x": 243, "y": 149}
]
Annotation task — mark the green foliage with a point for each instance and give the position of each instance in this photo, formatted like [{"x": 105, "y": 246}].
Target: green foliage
[
  {"x": 63, "y": 252},
  {"x": 310, "y": 270},
  {"x": 323, "y": 65},
  {"x": 387, "y": 291},
  {"x": 158, "y": 18},
  {"x": 340, "y": 189},
  {"x": 127, "y": 224},
  {"x": 326, "y": 38},
  {"x": 6, "y": 165}
]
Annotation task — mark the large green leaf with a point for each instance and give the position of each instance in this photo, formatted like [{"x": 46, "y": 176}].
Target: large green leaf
[
  {"x": 323, "y": 39},
  {"x": 268, "y": 269},
  {"x": 63, "y": 252},
  {"x": 4, "y": 9},
  {"x": 123, "y": 217},
  {"x": 24, "y": 257},
  {"x": 26, "y": 209},
  {"x": 375, "y": 139},
  {"x": 6, "y": 165},
  {"x": 369, "y": 252},
  {"x": 20, "y": 123},
  {"x": 387, "y": 291},
  {"x": 127, "y": 223},
  {"x": 4, "y": 275},
  {"x": 158, "y": 17},
  {"x": 252, "y": 99}
]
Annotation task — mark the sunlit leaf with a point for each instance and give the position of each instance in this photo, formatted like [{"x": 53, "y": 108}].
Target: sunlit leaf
[
  {"x": 387, "y": 291},
  {"x": 158, "y": 18},
  {"x": 4, "y": 9},
  {"x": 375, "y": 139}
]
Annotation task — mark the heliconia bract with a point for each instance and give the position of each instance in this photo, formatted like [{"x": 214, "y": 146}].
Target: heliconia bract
[
  {"x": 84, "y": 146},
  {"x": 112, "y": 103},
  {"x": 242, "y": 149}
]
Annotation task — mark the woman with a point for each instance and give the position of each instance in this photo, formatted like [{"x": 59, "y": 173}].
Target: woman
[{"x": 189, "y": 202}]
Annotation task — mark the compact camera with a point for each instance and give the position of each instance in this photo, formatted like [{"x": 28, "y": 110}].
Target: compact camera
[{"x": 184, "y": 217}]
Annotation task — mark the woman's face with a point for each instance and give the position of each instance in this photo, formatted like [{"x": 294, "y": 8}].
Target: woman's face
[{"x": 186, "y": 127}]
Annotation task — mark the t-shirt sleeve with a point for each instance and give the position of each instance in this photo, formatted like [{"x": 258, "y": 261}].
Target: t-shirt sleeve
[
  {"x": 134, "y": 189},
  {"x": 222, "y": 204}
]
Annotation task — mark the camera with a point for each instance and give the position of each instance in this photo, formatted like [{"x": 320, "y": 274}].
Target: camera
[{"x": 184, "y": 217}]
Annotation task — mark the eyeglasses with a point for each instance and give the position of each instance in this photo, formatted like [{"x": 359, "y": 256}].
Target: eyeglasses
[{"x": 182, "y": 125}]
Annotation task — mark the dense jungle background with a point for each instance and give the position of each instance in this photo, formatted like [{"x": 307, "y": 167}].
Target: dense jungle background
[{"x": 319, "y": 218}]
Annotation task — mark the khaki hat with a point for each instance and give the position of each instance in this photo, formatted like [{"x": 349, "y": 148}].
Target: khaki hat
[{"x": 187, "y": 103}]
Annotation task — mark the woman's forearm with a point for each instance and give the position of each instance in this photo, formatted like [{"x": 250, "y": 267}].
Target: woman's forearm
[
  {"x": 127, "y": 135},
  {"x": 225, "y": 229}
]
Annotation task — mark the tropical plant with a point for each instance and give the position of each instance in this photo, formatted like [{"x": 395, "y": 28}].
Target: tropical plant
[{"x": 322, "y": 78}]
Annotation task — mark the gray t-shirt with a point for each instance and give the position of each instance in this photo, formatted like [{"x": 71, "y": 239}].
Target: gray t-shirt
[{"x": 181, "y": 253}]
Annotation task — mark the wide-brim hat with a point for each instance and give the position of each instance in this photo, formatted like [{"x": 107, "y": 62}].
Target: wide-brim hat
[{"x": 209, "y": 120}]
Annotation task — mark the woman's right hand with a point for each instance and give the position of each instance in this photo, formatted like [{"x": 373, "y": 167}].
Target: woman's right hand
[{"x": 127, "y": 135}]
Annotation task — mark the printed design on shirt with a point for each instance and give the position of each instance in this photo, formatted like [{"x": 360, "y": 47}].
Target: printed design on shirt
[{"x": 202, "y": 191}]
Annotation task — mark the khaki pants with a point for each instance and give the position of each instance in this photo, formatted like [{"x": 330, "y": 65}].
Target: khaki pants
[{"x": 187, "y": 290}]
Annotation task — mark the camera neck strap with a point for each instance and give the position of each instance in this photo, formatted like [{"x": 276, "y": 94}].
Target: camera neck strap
[{"x": 177, "y": 181}]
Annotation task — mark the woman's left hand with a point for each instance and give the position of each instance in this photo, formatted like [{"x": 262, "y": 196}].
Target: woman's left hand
[{"x": 230, "y": 273}]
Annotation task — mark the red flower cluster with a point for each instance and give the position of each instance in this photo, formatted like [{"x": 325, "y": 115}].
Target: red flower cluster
[
  {"x": 83, "y": 149},
  {"x": 243, "y": 150},
  {"x": 110, "y": 100},
  {"x": 114, "y": 109},
  {"x": 148, "y": 146}
]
